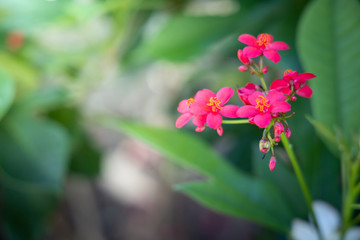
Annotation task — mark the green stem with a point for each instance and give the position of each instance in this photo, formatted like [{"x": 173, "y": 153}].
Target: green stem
[
  {"x": 263, "y": 81},
  {"x": 301, "y": 179},
  {"x": 239, "y": 121}
]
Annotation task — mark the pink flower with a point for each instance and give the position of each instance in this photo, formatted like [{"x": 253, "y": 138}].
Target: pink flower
[
  {"x": 262, "y": 107},
  {"x": 262, "y": 45},
  {"x": 295, "y": 81},
  {"x": 245, "y": 60},
  {"x": 246, "y": 91},
  {"x": 211, "y": 106},
  {"x": 184, "y": 118}
]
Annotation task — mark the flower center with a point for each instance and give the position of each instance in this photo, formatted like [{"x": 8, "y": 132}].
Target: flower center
[
  {"x": 190, "y": 101},
  {"x": 262, "y": 104},
  {"x": 263, "y": 40},
  {"x": 287, "y": 71},
  {"x": 214, "y": 103}
]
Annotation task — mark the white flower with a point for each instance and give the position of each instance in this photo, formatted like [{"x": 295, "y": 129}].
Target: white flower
[{"x": 329, "y": 221}]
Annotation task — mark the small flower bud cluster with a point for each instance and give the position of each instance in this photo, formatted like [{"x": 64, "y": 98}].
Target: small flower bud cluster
[{"x": 262, "y": 106}]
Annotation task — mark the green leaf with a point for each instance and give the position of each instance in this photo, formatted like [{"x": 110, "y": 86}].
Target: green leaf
[
  {"x": 328, "y": 43},
  {"x": 263, "y": 201},
  {"x": 7, "y": 92},
  {"x": 227, "y": 200},
  {"x": 33, "y": 163}
]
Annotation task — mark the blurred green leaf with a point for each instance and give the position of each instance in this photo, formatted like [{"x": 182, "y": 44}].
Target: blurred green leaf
[
  {"x": 85, "y": 156},
  {"x": 21, "y": 71},
  {"x": 33, "y": 163},
  {"x": 27, "y": 15},
  {"x": 42, "y": 99},
  {"x": 328, "y": 43},
  {"x": 263, "y": 201},
  {"x": 183, "y": 37},
  {"x": 7, "y": 92},
  {"x": 227, "y": 200}
]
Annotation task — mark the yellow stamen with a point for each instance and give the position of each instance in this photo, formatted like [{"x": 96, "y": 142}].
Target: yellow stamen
[
  {"x": 263, "y": 40},
  {"x": 287, "y": 71},
  {"x": 214, "y": 103},
  {"x": 262, "y": 103},
  {"x": 190, "y": 101}
]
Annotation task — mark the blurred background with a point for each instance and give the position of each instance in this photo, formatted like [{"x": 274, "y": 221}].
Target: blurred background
[{"x": 67, "y": 63}]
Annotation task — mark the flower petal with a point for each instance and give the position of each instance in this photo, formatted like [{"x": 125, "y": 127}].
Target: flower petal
[
  {"x": 183, "y": 106},
  {"x": 247, "y": 39},
  {"x": 252, "y": 98},
  {"x": 247, "y": 111},
  {"x": 229, "y": 111},
  {"x": 305, "y": 91},
  {"x": 224, "y": 95},
  {"x": 199, "y": 120},
  {"x": 279, "y": 84},
  {"x": 252, "y": 52},
  {"x": 214, "y": 120},
  {"x": 203, "y": 96},
  {"x": 183, "y": 119},
  {"x": 328, "y": 218},
  {"x": 262, "y": 120},
  {"x": 301, "y": 230},
  {"x": 272, "y": 55},
  {"x": 305, "y": 76},
  {"x": 242, "y": 57},
  {"x": 280, "y": 107},
  {"x": 199, "y": 108},
  {"x": 278, "y": 46},
  {"x": 275, "y": 96},
  {"x": 352, "y": 233}
]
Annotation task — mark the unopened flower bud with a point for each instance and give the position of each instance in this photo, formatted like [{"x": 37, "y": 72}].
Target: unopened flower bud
[
  {"x": 287, "y": 132},
  {"x": 278, "y": 129},
  {"x": 272, "y": 163},
  {"x": 252, "y": 73},
  {"x": 220, "y": 130},
  {"x": 265, "y": 69},
  {"x": 264, "y": 145},
  {"x": 243, "y": 68},
  {"x": 274, "y": 115},
  {"x": 200, "y": 129},
  {"x": 293, "y": 98}
]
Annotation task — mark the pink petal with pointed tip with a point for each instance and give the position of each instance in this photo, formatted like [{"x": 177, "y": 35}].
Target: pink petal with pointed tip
[
  {"x": 262, "y": 120},
  {"x": 279, "y": 84},
  {"x": 199, "y": 108},
  {"x": 203, "y": 96},
  {"x": 252, "y": 52},
  {"x": 280, "y": 107},
  {"x": 220, "y": 131},
  {"x": 252, "y": 98},
  {"x": 183, "y": 106},
  {"x": 229, "y": 111},
  {"x": 247, "y": 39},
  {"x": 224, "y": 95},
  {"x": 247, "y": 111},
  {"x": 214, "y": 120},
  {"x": 272, "y": 55},
  {"x": 305, "y": 91},
  {"x": 278, "y": 46},
  {"x": 275, "y": 96},
  {"x": 183, "y": 119},
  {"x": 199, "y": 120},
  {"x": 305, "y": 76}
]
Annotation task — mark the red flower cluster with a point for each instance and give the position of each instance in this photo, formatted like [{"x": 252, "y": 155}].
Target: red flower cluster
[{"x": 265, "y": 108}]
